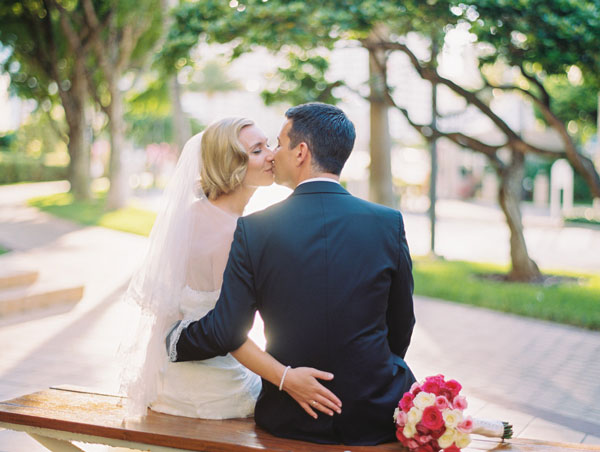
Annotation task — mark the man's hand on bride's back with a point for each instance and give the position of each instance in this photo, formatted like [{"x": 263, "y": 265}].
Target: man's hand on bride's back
[{"x": 302, "y": 383}]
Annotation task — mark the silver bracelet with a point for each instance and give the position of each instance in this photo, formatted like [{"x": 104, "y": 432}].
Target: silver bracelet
[{"x": 283, "y": 377}]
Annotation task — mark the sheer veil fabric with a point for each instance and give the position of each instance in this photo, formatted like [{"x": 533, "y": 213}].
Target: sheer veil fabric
[{"x": 156, "y": 287}]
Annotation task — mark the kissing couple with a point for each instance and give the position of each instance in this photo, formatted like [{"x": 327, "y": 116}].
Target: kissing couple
[{"x": 329, "y": 273}]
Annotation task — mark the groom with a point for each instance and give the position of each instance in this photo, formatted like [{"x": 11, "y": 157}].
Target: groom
[{"x": 331, "y": 277}]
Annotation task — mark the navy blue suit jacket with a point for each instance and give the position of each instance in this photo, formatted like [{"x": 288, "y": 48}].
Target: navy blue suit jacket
[{"x": 331, "y": 277}]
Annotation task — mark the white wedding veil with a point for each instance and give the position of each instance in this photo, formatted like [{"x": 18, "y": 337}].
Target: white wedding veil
[{"x": 155, "y": 288}]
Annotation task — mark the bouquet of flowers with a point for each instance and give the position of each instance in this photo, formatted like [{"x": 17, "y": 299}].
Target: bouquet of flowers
[{"x": 430, "y": 417}]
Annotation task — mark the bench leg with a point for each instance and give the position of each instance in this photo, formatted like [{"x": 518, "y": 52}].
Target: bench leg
[{"x": 55, "y": 445}]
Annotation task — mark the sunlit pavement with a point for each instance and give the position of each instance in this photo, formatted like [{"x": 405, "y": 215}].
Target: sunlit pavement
[{"x": 541, "y": 376}]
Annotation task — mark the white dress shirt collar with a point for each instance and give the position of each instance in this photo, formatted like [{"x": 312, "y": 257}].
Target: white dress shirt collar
[{"x": 318, "y": 179}]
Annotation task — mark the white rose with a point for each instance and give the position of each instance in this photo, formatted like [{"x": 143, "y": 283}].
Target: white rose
[
  {"x": 396, "y": 411},
  {"x": 462, "y": 440},
  {"x": 447, "y": 438},
  {"x": 414, "y": 415},
  {"x": 409, "y": 430},
  {"x": 452, "y": 417},
  {"x": 423, "y": 400}
]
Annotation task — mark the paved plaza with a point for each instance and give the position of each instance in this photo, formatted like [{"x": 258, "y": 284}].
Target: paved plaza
[{"x": 543, "y": 377}]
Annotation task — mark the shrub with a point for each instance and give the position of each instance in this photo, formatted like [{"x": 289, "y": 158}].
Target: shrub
[{"x": 18, "y": 168}]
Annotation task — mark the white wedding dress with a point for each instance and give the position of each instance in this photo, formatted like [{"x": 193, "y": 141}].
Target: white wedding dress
[
  {"x": 220, "y": 387},
  {"x": 180, "y": 279}
]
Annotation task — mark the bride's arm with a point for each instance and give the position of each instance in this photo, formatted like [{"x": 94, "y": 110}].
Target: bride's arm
[{"x": 300, "y": 383}]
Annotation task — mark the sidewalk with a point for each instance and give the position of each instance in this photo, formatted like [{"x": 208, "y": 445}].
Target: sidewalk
[
  {"x": 543, "y": 377},
  {"x": 478, "y": 232}
]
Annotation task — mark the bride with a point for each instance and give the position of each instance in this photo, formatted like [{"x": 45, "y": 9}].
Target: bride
[{"x": 181, "y": 277}]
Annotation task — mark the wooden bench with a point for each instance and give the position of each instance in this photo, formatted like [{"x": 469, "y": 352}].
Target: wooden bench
[{"x": 57, "y": 416}]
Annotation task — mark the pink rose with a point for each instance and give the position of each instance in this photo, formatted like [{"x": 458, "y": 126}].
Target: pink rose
[
  {"x": 415, "y": 389},
  {"x": 406, "y": 403},
  {"x": 426, "y": 448},
  {"x": 439, "y": 432},
  {"x": 401, "y": 436},
  {"x": 432, "y": 418},
  {"x": 460, "y": 402},
  {"x": 454, "y": 387},
  {"x": 422, "y": 430},
  {"x": 431, "y": 386},
  {"x": 441, "y": 403},
  {"x": 444, "y": 391},
  {"x": 466, "y": 426},
  {"x": 401, "y": 419},
  {"x": 412, "y": 444},
  {"x": 424, "y": 439}
]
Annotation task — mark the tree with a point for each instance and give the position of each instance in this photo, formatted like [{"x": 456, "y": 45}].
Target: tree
[
  {"x": 536, "y": 37},
  {"x": 47, "y": 63},
  {"x": 124, "y": 35},
  {"x": 512, "y": 34}
]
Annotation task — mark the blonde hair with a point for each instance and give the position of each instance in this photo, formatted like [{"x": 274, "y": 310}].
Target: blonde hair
[{"x": 224, "y": 160}]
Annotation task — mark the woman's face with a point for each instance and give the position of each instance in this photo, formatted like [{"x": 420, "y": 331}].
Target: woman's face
[{"x": 260, "y": 161}]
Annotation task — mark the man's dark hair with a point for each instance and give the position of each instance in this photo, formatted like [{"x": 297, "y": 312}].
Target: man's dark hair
[{"x": 326, "y": 130}]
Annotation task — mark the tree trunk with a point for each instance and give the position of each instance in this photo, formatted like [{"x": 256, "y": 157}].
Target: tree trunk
[
  {"x": 73, "y": 101},
  {"x": 117, "y": 193},
  {"x": 509, "y": 196},
  {"x": 181, "y": 125},
  {"x": 380, "y": 181}
]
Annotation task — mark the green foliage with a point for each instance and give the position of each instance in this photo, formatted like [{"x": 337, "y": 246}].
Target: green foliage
[
  {"x": 545, "y": 37},
  {"x": 148, "y": 114},
  {"x": 574, "y": 102},
  {"x": 35, "y": 152},
  {"x": 576, "y": 303},
  {"x": 24, "y": 31},
  {"x": 3, "y": 250},
  {"x": 535, "y": 165},
  {"x": 213, "y": 78},
  {"x": 303, "y": 80},
  {"x": 7, "y": 140},
  {"x": 20, "y": 168},
  {"x": 39, "y": 134},
  {"x": 583, "y": 220},
  {"x": 93, "y": 213}
]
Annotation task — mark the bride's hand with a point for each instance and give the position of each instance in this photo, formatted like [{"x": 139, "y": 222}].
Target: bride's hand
[{"x": 302, "y": 384}]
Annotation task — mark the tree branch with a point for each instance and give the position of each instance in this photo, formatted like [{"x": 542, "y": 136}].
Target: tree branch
[
  {"x": 581, "y": 163},
  {"x": 94, "y": 92},
  {"x": 434, "y": 77},
  {"x": 536, "y": 82},
  {"x": 70, "y": 33},
  {"x": 56, "y": 128},
  {"x": 40, "y": 58}
]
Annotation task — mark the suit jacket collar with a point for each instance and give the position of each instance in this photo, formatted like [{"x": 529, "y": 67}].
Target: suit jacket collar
[{"x": 319, "y": 187}]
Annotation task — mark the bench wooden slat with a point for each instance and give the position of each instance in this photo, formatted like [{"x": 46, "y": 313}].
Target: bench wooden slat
[{"x": 102, "y": 415}]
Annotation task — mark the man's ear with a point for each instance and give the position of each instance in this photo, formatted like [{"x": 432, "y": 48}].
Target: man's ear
[{"x": 302, "y": 154}]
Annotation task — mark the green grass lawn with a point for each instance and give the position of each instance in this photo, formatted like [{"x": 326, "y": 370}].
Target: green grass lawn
[
  {"x": 575, "y": 304},
  {"x": 127, "y": 219}
]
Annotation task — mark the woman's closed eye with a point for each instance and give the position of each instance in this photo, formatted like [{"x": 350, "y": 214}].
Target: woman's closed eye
[{"x": 260, "y": 149}]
